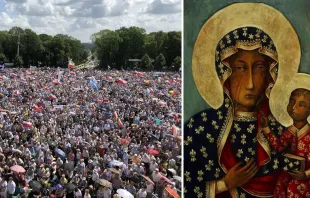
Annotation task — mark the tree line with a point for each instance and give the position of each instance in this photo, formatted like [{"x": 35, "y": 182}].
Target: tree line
[
  {"x": 39, "y": 49},
  {"x": 114, "y": 49},
  {"x": 154, "y": 51}
]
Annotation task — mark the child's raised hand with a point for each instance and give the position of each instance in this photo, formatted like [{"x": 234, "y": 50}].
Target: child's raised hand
[{"x": 263, "y": 120}]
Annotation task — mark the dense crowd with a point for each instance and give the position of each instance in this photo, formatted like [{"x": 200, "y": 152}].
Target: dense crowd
[{"x": 89, "y": 133}]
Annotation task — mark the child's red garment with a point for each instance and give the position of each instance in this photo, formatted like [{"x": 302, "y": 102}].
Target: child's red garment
[{"x": 299, "y": 144}]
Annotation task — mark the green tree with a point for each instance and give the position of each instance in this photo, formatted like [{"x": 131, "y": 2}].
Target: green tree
[
  {"x": 32, "y": 46},
  {"x": 18, "y": 61},
  {"x": 172, "y": 46},
  {"x": 146, "y": 62},
  {"x": 3, "y": 57},
  {"x": 107, "y": 44},
  {"x": 177, "y": 63},
  {"x": 160, "y": 62}
]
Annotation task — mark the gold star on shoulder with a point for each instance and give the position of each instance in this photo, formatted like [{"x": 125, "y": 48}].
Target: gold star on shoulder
[
  {"x": 199, "y": 129},
  {"x": 204, "y": 116},
  {"x": 190, "y": 123}
]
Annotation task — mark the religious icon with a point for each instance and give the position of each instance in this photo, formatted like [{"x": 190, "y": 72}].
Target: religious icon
[{"x": 246, "y": 69}]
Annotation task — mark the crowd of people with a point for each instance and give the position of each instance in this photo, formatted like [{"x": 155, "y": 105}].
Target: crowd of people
[{"x": 89, "y": 133}]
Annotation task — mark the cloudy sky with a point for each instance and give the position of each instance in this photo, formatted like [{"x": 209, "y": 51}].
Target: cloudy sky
[{"x": 81, "y": 18}]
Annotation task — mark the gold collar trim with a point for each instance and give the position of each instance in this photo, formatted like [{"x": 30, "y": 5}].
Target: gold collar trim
[
  {"x": 245, "y": 116},
  {"x": 298, "y": 132}
]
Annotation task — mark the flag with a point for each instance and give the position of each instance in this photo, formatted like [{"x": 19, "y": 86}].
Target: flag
[
  {"x": 115, "y": 115},
  {"x": 71, "y": 64},
  {"x": 122, "y": 82},
  {"x": 52, "y": 97},
  {"x": 120, "y": 124},
  {"x": 94, "y": 83},
  {"x": 175, "y": 131},
  {"x": 59, "y": 74},
  {"x": 16, "y": 92},
  {"x": 5, "y": 78},
  {"x": 56, "y": 82},
  {"x": 36, "y": 108},
  {"x": 27, "y": 124},
  {"x": 2, "y": 66},
  {"x": 140, "y": 74}
]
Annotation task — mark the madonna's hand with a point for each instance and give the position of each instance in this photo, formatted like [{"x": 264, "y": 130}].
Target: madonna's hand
[{"x": 237, "y": 175}]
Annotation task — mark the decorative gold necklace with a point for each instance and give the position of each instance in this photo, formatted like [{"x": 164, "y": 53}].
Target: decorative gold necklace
[{"x": 245, "y": 116}]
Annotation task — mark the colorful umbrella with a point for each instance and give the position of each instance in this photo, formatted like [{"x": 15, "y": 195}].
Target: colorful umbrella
[
  {"x": 123, "y": 140},
  {"x": 18, "y": 169},
  {"x": 172, "y": 192},
  {"x": 124, "y": 193},
  {"x": 113, "y": 170},
  {"x": 152, "y": 151},
  {"x": 165, "y": 178},
  {"x": 60, "y": 152},
  {"x": 104, "y": 182},
  {"x": 58, "y": 186},
  {"x": 148, "y": 179}
]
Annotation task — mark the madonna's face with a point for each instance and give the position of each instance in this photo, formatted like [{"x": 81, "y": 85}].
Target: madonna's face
[{"x": 248, "y": 80}]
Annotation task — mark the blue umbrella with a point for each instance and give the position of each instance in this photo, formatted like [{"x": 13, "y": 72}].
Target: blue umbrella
[
  {"x": 58, "y": 186},
  {"x": 60, "y": 152}
]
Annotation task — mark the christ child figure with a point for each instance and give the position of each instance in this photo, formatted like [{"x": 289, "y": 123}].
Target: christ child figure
[{"x": 295, "y": 140}]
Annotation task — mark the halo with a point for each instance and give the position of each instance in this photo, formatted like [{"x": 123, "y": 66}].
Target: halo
[
  {"x": 278, "y": 109},
  {"x": 235, "y": 16}
]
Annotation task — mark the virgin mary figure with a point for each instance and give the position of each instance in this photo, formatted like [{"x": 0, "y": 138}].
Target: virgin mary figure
[{"x": 225, "y": 153}]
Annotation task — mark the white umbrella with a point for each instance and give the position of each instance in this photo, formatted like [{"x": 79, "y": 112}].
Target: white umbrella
[{"x": 124, "y": 193}]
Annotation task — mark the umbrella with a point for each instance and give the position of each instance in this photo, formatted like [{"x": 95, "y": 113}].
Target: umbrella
[
  {"x": 104, "y": 182},
  {"x": 70, "y": 186},
  {"x": 152, "y": 151},
  {"x": 165, "y": 178},
  {"x": 171, "y": 192},
  {"x": 116, "y": 163},
  {"x": 178, "y": 178},
  {"x": 123, "y": 140},
  {"x": 18, "y": 169},
  {"x": 69, "y": 166},
  {"x": 172, "y": 171},
  {"x": 113, "y": 170},
  {"x": 148, "y": 179},
  {"x": 60, "y": 152},
  {"x": 35, "y": 185},
  {"x": 52, "y": 143},
  {"x": 58, "y": 186},
  {"x": 124, "y": 193}
]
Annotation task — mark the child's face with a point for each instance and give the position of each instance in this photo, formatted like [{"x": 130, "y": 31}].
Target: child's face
[{"x": 299, "y": 107}]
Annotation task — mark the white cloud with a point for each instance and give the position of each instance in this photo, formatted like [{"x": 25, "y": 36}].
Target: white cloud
[
  {"x": 164, "y": 7},
  {"x": 82, "y": 18}
]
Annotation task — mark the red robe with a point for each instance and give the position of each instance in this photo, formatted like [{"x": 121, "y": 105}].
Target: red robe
[{"x": 298, "y": 145}]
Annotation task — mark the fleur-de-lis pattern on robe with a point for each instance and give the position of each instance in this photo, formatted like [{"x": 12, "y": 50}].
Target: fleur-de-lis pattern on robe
[{"x": 201, "y": 134}]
